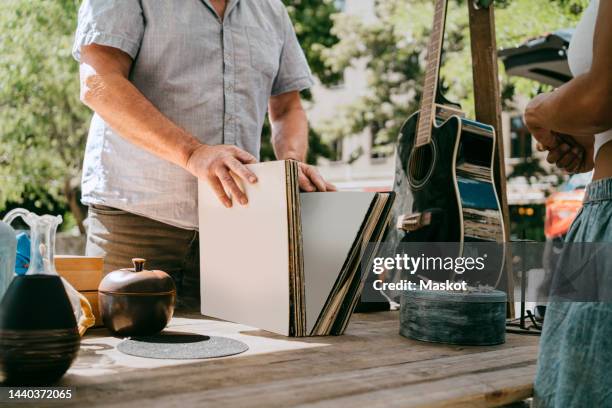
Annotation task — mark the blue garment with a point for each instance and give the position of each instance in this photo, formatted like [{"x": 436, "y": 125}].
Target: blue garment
[
  {"x": 23, "y": 253},
  {"x": 575, "y": 361}
]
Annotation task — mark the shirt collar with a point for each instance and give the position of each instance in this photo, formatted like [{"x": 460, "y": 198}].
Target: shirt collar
[{"x": 231, "y": 4}]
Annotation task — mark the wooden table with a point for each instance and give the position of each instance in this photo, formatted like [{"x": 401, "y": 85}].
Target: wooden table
[{"x": 370, "y": 366}]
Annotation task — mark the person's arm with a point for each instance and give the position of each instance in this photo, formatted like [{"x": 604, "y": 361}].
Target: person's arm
[
  {"x": 106, "y": 89},
  {"x": 578, "y": 109},
  {"x": 290, "y": 138},
  {"x": 583, "y": 105}
]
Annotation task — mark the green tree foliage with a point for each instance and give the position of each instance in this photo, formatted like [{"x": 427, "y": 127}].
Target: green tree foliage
[
  {"x": 313, "y": 25},
  {"x": 393, "y": 50},
  {"x": 312, "y": 20},
  {"x": 43, "y": 125}
]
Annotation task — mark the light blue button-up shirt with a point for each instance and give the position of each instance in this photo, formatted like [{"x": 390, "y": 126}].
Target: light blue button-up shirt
[{"x": 210, "y": 76}]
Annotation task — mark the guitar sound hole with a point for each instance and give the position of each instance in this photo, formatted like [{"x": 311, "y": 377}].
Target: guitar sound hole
[{"x": 420, "y": 164}]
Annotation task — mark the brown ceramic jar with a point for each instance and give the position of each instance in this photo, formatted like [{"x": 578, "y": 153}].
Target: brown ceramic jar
[{"x": 136, "y": 302}]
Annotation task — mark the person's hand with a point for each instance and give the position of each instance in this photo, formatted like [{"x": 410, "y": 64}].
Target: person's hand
[
  {"x": 310, "y": 180},
  {"x": 536, "y": 125},
  {"x": 563, "y": 150},
  {"x": 569, "y": 155},
  {"x": 214, "y": 164}
]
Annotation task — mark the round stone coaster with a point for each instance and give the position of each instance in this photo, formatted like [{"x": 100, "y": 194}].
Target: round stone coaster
[{"x": 179, "y": 346}]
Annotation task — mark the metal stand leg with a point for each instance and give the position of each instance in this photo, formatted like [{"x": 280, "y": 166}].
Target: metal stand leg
[{"x": 521, "y": 326}]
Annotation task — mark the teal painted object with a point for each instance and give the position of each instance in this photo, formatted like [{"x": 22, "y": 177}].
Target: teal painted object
[{"x": 8, "y": 247}]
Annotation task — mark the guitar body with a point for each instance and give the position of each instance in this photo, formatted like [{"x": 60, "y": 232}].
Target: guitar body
[
  {"x": 451, "y": 180},
  {"x": 444, "y": 184},
  {"x": 455, "y": 183}
]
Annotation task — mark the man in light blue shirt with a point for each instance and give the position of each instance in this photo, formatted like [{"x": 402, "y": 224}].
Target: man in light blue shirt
[{"x": 180, "y": 90}]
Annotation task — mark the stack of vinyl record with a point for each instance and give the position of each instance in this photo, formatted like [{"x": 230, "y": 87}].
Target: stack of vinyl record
[{"x": 288, "y": 262}]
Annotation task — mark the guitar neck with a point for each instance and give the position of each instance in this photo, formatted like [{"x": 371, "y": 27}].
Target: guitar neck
[{"x": 432, "y": 72}]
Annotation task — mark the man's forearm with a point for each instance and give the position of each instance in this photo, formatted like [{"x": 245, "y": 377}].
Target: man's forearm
[
  {"x": 290, "y": 135},
  {"x": 130, "y": 114},
  {"x": 290, "y": 138}
]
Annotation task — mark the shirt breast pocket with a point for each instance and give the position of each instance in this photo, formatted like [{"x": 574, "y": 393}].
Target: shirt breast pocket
[{"x": 264, "y": 47}]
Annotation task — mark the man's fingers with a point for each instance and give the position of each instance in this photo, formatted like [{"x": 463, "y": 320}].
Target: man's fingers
[
  {"x": 314, "y": 176},
  {"x": 305, "y": 183},
  {"x": 330, "y": 187},
  {"x": 230, "y": 185},
  {"x": 241, "y": 170},
  {"x": 311, "y": 180},
  {"x": 219, "y": 191},
  {"x": 244, "y": 157}
]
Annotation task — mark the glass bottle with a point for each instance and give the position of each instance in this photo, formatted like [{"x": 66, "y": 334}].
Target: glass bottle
[
  {"x": 42, "y": 236},
  {"x": 39, "y": 337},
  {"x": 8, "y": 248}
]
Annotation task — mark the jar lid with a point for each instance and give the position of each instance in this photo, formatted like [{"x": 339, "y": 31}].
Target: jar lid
[{"x": 137, "y": 280}]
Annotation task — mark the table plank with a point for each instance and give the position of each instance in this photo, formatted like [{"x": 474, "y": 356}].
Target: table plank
[
  {"x": 403, "y": 384},
  {"x": 489, "y": 389},
  {"x": 370, "y": 361}
]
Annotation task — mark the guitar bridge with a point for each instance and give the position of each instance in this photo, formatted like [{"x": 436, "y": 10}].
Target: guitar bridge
[{"x": 413, "y": 222}]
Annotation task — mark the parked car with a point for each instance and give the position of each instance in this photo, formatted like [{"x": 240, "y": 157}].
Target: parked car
[{"x": 563, "y": 206}]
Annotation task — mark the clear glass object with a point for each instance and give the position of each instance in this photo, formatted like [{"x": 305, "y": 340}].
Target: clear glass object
[
  {"x": 39, "y": 336},
  {"x": 8, "y": 245},
  {"x": 42, "y": 235}
]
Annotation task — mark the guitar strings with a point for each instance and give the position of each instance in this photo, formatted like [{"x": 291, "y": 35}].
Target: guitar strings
[{"x": 419, "y": 160}]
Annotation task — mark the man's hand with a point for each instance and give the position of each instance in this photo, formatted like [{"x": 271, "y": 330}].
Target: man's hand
[
  {"x": 311, "y": 181},
  {"x": 214, "y": 164},
  {"x": 290, "y": 138}
]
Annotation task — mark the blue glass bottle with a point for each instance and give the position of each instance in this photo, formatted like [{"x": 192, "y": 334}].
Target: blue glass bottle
[{"x": 8, "y": 244}]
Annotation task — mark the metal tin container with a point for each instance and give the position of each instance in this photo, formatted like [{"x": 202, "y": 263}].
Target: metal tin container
[{"x": 135, "y": 301}]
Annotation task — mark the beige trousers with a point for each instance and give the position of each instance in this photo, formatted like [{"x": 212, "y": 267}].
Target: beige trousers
[{"x": 119, "y": 236}]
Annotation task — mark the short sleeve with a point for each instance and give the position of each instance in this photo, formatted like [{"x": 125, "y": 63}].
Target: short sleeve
[
  {"x": 114, "y": 23},
  {"x": 293, "y": 73}
]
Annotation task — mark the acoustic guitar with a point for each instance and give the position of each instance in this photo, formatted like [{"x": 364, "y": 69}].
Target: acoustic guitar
[{"x": 444, "y": 169}]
